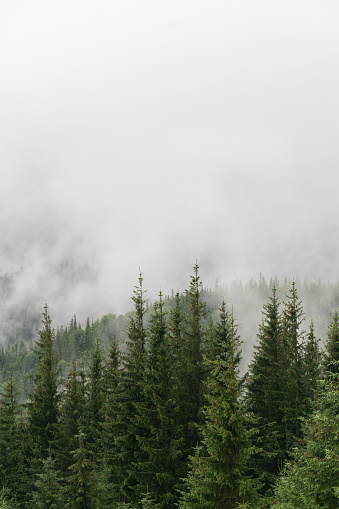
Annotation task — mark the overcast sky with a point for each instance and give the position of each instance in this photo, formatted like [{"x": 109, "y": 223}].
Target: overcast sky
[{"x": 153, "y": 133}]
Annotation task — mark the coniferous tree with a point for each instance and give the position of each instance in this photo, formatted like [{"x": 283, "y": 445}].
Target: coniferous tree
[
  {"x": 222, "y": 336},
  {"x": 81, "y": 492},
  {"x": 217, "y": 478},
  {"x": 162, "y": 441},
  {"x": 10, "y": 439},
  {"x": 265, "y": 394},
  {"x": 5, "y": 500},
  {"x": 111, "y": 370},
  {"x": 312, "y": 361},
  {"x": 111, "y": 380},
  {"x": 48, "y": 487},
  {"x": 176, "y": 338},
  {"x": 88, "y": 336},
  {"x": 95, "y": 400},
  {"x": 192, "y": 381},
  {"x": 72, "y": 415},
  {"x": 332, "y": 345},
  {"x": 130, "y": 395},
  {"x": 295, "y": 394},
  {"x": 43, "y": 406},
  {"x": 310, "y": 479}
]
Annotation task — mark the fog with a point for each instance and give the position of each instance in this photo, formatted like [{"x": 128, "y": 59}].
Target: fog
[{"x": 147, "y": 135}]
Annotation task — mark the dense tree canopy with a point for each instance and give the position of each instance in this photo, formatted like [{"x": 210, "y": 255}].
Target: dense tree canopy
[{"x": 156, "y": 409}]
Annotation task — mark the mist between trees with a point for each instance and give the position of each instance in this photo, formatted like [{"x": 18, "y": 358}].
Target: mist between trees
[{"x": 209, "y": 398}]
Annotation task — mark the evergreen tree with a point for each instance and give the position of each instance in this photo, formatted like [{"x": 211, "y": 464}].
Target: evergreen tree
[
  {"x": 162, "y": 440},
  {"x": 312, "y": 358},
  {"x": 217, "y": 478},
  {"x": 177, "y": 346},
  {"x": 81, "y": 492},
  {"x": 5, "y": 500},
  {"x": 88, "y": 336},
  {"x": 111, "y": 370},
  {"x": 265, "y": 394},
  {"x": 48, "y": 487},
  {"x": 130, "y": 394},
  {"x": 310, "y": 480},
  {"x": 332, "y": 345},
  {"x": 192, "y": 380},
  {"x": 222, "y": 336},
  {"x": 43, "y": 406},
  {"x": 72, "y": 415},
  {"x": 295, "y": 394},
  {"x": 15, "y": 478},
  {"x": 9, "y": 436},
  {"x": 111, "y": 380},
  {"x": 95, "y": 400}
]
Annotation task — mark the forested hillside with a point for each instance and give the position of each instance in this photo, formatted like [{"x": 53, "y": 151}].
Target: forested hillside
[{"x": 159, "y": 408}]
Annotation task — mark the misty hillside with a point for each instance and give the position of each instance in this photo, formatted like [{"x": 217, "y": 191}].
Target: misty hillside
[
  {"x": 162, "y": 392},
  {"x": 20, "y": 316}
]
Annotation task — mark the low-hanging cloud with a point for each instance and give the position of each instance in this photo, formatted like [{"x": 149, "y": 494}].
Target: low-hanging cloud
[{"x": 151, "y": 135}]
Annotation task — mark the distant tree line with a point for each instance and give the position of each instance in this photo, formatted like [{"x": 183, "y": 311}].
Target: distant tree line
[{"x": 165, "y": 419}]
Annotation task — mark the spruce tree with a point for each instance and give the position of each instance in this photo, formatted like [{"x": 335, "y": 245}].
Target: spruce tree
[
  {"x": 312, "y": 362},
  {"x": 217, "y": 478},
  {"x": 15, "y": 472},
  {"x": 48, "y": 487},
  {"x": 310, "y": 479},
  {"x": 192, "y": 379},
  {"x": 162, "y": 440},
  {"x": 72, "y": 415},
  {"x": 81, "y": 491},
  {"x": 265, "y": 395},
  {"x": 95, "y": 400},
  {"x": 43, "y": 406},
  {"x": 295, "y": 394},
  {"x": 111, "y": 380},
  {"x": 130, "y": 394},
  {"x": 9, "y": 436},
  {"x": 332, "y": 346}
]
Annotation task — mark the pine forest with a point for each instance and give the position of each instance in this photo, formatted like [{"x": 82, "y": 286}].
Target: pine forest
[{"x": 176, "y": 404}]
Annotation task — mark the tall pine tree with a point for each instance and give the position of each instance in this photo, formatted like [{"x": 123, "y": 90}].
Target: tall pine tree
[
  {"x": 130, "y": 395},
  {"x": 217, "y": 478},
  {"x": 265, "y": 393},
  {"x": 162, "y": 440},
  {"x": 43, "y": 407},
  {"x": 332, "y": 345},
  {"x": 191, "y": 389}
]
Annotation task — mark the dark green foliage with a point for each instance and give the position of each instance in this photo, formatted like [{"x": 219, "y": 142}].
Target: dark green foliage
[
  {"x": 332, "y": 345},
  {"x": 222, "y": 337},
  {"x": 14, "y": 461},
  {"x": 48, "y": 487},
  {"x": 81, "y": 491},
  {"x": 312, "y": 362},
  {"x": 43, "y": 406},
  {"x": 311, "y": 479},
  {"x": 296, "y": 390},
  {"x": 217, "y": 478},
  {"x": 265, "y": 392},
  {"x": 111, "y": 379},
  {"x": 6, "y": 502},
  {"x": 72, "y": 415},
  {"x": 162, "y": 440},
  {"x": 9, "y": 436},
  {"x": 130, "y": 395},
  {"x": 281, "y": 382},
  {"x": 95, "y": 400},
  {"x": 192, "y": 368},
  {"x": 121, "y": 428}
]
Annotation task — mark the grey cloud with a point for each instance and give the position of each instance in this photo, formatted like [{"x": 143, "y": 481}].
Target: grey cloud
[{"x": 151, "y": 134}]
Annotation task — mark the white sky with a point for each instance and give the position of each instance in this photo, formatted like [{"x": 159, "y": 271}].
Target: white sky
[{"x": 151, "y": 134}]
